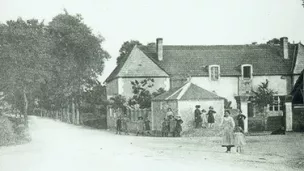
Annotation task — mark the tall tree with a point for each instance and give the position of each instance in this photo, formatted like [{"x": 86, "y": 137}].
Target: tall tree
[
  {"x": 79, "y": 57},
  {"x": 125, "y": 50},
  {"x": 24, "y": 59}
]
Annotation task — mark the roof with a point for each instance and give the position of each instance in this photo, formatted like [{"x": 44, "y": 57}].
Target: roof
[
  {"x": 188, "y": 91},
  {"x": 194, "y": 60}
]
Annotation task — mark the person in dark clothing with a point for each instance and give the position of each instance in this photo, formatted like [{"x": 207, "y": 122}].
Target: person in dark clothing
[
  {"x": 240, "y": 119},
  {"x": 165, "y": 127},
  {"x": 147, "y": 126},
  {"x": 118, "y": 125},
  {"x": 198, "y": 117},
  {"x": 210, "y": 115},
  {"x": 178, "y": 128}
]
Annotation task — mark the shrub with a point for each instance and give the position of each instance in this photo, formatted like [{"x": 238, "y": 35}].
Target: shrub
[{"x": 6, "y": 131}]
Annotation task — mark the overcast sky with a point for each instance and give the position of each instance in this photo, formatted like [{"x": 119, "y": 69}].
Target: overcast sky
[{"x": 187, "y": 22}]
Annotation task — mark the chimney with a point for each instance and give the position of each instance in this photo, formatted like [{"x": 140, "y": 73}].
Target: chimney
[
  {"x": 284, "y": 45},
  {"x": 159, "y": 48}
]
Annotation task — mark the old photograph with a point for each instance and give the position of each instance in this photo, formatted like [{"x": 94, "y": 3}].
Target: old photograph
[{"x": 151, "y": 85}]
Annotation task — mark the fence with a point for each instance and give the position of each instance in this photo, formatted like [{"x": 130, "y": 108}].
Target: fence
[{"x": 132, "y": 114}]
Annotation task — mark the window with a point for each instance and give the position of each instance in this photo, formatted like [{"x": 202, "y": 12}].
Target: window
[
  {"x": 214, "y": 72},
  {"x": 277, "y": 105},
  {"x": 246, "y": 71}
]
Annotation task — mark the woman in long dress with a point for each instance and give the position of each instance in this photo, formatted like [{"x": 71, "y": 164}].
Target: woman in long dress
[
  {"x": 204, "y": 118},
  {"x": 228, "y": 127}
]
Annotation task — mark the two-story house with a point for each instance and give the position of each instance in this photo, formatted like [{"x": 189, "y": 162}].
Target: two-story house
[{"x": 229, "y": 71}]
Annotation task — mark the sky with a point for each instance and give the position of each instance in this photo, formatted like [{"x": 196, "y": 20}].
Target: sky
[{"x": 178, "y": 22}]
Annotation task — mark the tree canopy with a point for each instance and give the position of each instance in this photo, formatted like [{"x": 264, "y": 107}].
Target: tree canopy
[{"x": 125, "y": 50}]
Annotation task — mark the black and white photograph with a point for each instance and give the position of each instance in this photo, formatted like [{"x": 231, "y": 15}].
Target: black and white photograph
[{"x": 151, "y": 85}]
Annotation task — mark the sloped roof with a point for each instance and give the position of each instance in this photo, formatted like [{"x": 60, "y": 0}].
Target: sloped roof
[
  {"x": 194, "y": 60},
  {"x": 188, "y": 91}
]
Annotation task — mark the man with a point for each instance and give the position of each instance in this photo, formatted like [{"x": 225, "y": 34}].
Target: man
[
  {"x": 197, "y": 117},
  {"x": 118, "y": 125}
]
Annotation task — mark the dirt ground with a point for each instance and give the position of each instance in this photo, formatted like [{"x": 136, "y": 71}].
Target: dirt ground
[{"x": 59, "y": 146}]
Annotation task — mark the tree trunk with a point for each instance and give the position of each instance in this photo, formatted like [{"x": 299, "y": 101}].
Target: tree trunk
[
  {"x": 25, "y": 107},
  {"x": 77, "y": 115},
  {"x": 73, "y": 111}
]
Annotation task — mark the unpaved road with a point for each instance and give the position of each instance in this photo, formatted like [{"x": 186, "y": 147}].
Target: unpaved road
[{"x": 57, "y": 146}]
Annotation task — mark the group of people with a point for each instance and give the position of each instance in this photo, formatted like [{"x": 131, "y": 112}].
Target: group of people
[
  {"x": 142, "y": 125},
  {"x": 202, "y": 118},
  {"x": 172, "y": 124},
  {"x": 233, "y": 136}
]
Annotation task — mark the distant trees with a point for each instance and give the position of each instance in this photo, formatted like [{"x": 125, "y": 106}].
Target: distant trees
[
  {"x": 126, "y": 49},
  {"x": 274, "y": 41}
]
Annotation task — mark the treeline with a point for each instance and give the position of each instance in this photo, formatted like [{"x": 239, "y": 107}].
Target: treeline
[{"x": 50, "y": 66}]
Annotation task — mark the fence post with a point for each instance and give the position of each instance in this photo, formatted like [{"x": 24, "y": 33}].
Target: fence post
[{"x": 288, "y": 113}]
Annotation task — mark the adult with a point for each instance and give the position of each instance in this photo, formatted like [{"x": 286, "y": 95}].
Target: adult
[
  {"x": 211, "y": 119},
  {"x": 197, "y": 117},
  {"x": 172, "y": 126},
  {"x": 228, "y": 125},
  {"x": 169, "y": 113},
  {"x": 147, "y": 126},
  {"x": 240, "y": 119},
  {"x": 165, "y": 127},
  {"x": 178, "y": 127}
]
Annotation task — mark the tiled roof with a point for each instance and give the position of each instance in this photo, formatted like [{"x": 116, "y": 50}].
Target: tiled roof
[
  {"x": 194, "y": 60},
  {"x": 188, "y": 91}
]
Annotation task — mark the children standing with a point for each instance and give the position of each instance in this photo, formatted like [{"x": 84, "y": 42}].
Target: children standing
[
  {"x": 239, "y": 138},
  {"x": 178, "y": 128},
  {"x": 211, "y": 119}
]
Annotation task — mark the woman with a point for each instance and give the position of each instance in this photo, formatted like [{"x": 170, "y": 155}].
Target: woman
[
  {"x": 140, "y": 126},
  {"x": 169, "y": 113},
  {"x": 210, "y": 114},
  {"x": 125, "y": 124},
  {"x": 228, "y": 127},
  {"x": 197, "y": 117},
  {"x": 240, "y": 118}
]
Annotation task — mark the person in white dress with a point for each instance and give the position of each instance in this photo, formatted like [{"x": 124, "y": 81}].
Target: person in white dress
[{"x": 227, "y": 126}]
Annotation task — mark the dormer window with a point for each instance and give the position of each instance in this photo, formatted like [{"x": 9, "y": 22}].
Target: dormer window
[
  {"x": 214, "y": 72},
  {"x": 247, "y": 71}
]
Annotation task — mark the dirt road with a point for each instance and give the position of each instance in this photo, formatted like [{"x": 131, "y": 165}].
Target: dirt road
[{"x": 58, "y": 146}]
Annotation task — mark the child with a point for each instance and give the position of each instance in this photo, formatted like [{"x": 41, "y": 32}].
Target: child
[
  {"x": 140, "y": 126},
  {"x": 178, "y": 127},
  {"x": 118, "y": 125},
  {"x": 165, "y": 128},
  {"x": 172, "y": 126},
  {"x": 239, "y": 139},
  {"x": 125, "y": 124},
  {"x": 147, "y": 126}
]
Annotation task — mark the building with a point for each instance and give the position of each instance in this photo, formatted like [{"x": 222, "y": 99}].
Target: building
[
  {"x": 230, "y": 71},
  {"x": 182, "y": 100}
]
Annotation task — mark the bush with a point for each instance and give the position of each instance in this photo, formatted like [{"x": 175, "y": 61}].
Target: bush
[{"x": 6, "y": 131}]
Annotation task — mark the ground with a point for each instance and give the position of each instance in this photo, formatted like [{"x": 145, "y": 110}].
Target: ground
[{"x": 57, "y": 146}]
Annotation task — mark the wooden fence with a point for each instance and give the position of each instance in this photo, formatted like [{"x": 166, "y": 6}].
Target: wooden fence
[{"x": 132, "y": 114}]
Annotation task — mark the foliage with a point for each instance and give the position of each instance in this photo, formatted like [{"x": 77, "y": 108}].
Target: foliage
[
  {"x": 263, "y": 95},
  {"x": 25, "y": 60},
  {"x": 141, "y": 93},
  {"x": 227, "y": 104},
  {"x": 118, "y": 102},
  {"x": 274, "y": 41},
  {"x": 126, "y": 49}
]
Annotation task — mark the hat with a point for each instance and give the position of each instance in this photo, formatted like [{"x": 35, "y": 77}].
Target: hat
[
  {"x": 203, "y": 110},
  {"x": 210, "y": 107},
  {"x": 197, "y": 106}
]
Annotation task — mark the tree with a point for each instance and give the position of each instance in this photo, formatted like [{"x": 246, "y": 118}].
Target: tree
[
  {"x": 142, "y": 95},
  {"x": 79, "y": 59},
  {"x": 25, "y": 61},
  {"x": 274, "y": 41},
  {"x": 125, "y": 50},
  {"x": 263, "y": 95}
]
